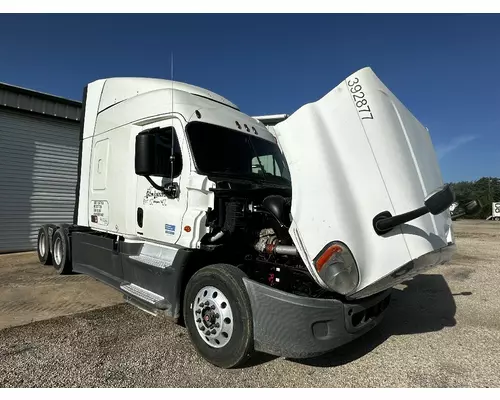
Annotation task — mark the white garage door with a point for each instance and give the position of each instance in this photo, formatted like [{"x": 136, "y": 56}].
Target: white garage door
[{"x": 38, "y": 173}]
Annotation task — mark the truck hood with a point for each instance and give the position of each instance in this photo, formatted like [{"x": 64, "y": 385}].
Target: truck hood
[{"x": 353, "y": 154}]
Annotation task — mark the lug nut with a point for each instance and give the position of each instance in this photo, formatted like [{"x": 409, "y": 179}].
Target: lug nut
[
  {"x": 207, "y": 333},
  {"x": 207, "y": 303},
  {"x": 217, "y": 325},
  {"x": 217, "y": 315},
  {"x": 202, "y": 328},
  {"x": 198, "y": 320},
  {"x": 201, "y": 305},
  {"x": 198, "y": 311},
  {"x": 213, "y": 331},
  {"x": 213, "y": 307}
]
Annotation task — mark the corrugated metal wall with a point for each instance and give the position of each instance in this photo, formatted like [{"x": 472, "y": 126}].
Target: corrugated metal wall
[{"x": 38, "y": 174}]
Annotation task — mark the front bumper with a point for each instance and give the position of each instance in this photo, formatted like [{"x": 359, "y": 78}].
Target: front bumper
[{"x": 300, "y": 327}]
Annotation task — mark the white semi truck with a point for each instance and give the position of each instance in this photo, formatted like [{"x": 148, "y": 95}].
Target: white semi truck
[{"x": 285, "y": 240}]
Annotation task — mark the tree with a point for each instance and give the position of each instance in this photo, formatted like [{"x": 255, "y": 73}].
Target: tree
[{"x": 486, "y": 190}]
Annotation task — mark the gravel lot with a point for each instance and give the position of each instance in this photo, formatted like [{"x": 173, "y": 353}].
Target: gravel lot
[{"x": 442, "y": 329}]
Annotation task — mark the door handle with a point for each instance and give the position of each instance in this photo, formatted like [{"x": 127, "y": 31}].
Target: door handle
[{"x": 140, "y": 216}]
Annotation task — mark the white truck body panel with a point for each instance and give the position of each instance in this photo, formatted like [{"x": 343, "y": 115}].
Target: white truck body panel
[
  {"x": 346, "y": 169},
  {"x": 108, "y": 151},
  {"x": 117, "y": 90}
]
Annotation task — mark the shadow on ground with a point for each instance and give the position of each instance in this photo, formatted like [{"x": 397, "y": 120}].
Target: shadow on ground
[{"x": 426, "y": 304}]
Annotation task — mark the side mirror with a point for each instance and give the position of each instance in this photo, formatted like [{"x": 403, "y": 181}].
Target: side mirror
[
  {"x": 472, "y": 207},
  {"x": 148, "y": 163},
  {"x": 145, "y": 157},
  {"x": 440, "y": 200}
]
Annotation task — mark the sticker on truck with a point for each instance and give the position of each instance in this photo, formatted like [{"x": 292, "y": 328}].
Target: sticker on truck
[
  {"x": 359, "y": 99},
  {"x": 99, "y": 212},
  {"x": 170, "y": 229}
]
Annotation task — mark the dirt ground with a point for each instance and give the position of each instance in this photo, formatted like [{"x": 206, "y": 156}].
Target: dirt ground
[
  {"x": 442, "y": 329},
  {"x": 31, "y": 292}
]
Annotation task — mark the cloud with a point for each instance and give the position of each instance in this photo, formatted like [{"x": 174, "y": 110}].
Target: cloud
[{"x": 454, "y": 144}]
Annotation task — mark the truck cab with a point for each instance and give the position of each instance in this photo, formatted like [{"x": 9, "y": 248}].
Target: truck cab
[{"x": 283, "y": 239}]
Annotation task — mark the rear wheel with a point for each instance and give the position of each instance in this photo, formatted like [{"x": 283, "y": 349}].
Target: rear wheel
[
  {"x": 218, "y": 315},
  {"x": 43, "y": 246},
  {"x": 61, "y": 252}
]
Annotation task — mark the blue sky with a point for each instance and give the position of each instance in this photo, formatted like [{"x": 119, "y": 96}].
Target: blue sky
[{"x": 444, "y": 68}]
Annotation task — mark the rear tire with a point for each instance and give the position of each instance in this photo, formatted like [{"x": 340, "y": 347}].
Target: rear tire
[
  {"x": 227, "y": 316},
  {"x": 43, "y": 246},
  {"x": 61, "y": 252}
]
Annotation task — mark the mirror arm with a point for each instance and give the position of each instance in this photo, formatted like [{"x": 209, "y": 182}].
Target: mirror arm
[
  {"x": 385, "y": 221},
  {"x": 171, "y": 190},
  {"x": 154, "y": 184}
]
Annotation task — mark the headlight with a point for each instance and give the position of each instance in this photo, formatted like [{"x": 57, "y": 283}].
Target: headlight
[{"x": 337, "y": 268}]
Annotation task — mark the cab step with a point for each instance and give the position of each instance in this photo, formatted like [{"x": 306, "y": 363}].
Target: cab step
[{"x": 141, "y": 293}]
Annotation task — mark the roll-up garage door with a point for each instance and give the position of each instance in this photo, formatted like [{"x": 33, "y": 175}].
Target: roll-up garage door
[{"x": 38, "y": 174}]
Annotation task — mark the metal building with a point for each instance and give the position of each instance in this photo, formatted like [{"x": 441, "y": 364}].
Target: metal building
[{"x": 39, "y": 138}]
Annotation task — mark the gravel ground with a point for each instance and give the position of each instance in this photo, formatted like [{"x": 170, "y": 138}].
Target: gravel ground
[{"x": 441, "y": 330}]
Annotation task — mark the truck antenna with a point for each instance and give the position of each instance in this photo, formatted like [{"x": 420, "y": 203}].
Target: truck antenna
[{"x": 172, "y": 188}]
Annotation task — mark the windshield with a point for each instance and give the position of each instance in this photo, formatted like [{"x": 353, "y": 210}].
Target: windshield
[{"x": 222, "y": 151}]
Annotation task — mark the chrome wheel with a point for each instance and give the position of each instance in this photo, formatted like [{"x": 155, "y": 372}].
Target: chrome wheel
[
  {"x": 41, "y": 244},
  {"x": 213, "y": 316},
  {"x": 58, "y": 250}
]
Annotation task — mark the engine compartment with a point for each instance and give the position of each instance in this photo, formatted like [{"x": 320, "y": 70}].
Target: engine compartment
[{"x": 249, "y": 228}]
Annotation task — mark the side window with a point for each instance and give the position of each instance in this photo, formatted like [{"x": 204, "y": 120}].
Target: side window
[
  {"x": 269, "y": 165},
  {"x": 165, "y": 140}
]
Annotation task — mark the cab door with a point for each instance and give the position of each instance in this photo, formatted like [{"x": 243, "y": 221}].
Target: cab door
[{"x": 159, "y": 217}]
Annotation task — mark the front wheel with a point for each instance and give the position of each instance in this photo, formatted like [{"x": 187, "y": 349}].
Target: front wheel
[{"x": 218, "y": 315}]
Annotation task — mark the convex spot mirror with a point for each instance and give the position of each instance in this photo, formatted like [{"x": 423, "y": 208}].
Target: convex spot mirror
[{"x": 472, "y": 207}]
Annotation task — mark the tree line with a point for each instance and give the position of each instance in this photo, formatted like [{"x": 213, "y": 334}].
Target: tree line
[{"x": 486, "y": 190}]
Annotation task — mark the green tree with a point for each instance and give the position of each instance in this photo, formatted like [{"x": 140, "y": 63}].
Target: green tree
[{"x": 486, "y": 190}]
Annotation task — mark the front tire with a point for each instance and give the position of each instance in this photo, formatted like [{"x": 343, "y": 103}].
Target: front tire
[
  {"x": 218, "y": 315},
  {"x": 61, "y": 252}
]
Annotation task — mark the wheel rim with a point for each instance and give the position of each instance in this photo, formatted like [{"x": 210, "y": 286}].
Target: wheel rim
[
  {"x": 41, "y": 244},
  {"x": 213, "y": 316},
  {"x": 58, "y": 250}
]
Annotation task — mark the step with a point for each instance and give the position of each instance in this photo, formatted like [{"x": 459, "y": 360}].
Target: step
[
  {"x": 153, "y": 261},
  {"x": 141, "y": 293}
]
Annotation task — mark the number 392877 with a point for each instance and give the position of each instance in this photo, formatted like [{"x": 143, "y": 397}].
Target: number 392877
[{"x": 359, "y": 99}]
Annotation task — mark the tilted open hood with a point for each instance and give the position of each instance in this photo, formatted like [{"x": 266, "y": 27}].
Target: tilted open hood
[{"x": 353, "y": 154}]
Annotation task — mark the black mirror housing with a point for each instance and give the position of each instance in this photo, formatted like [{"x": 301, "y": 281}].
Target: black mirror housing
[
  {"x": 440, "y": 200},
  {"x": 145, "y": 163}
]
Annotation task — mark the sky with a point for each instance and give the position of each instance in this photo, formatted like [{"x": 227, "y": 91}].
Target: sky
[{"x": 444, "y": 68}]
